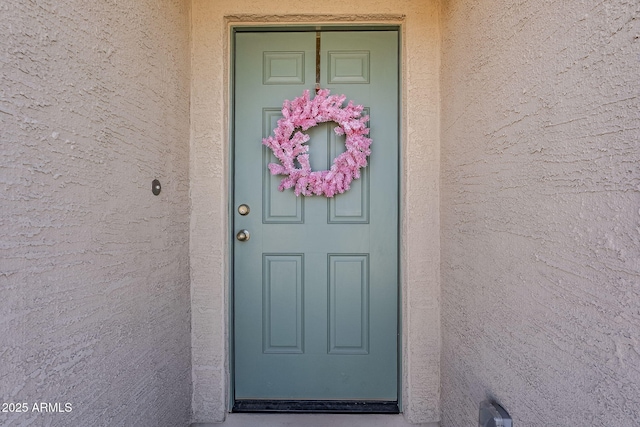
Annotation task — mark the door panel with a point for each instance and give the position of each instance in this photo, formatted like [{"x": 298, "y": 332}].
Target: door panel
[
  {"x": 348, "y": 304},
  {"x": 282, "y": 303},
  {"x": 316, "y": 285}
]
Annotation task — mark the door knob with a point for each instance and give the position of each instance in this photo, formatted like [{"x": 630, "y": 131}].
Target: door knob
[{"x": 243, "y": 235}]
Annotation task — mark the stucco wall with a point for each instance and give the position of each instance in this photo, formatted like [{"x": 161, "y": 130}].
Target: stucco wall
[
  {"x": 540, "y": 211},
  {"x": 210, "y": 183},
  {"x": 94, "y": 273}
]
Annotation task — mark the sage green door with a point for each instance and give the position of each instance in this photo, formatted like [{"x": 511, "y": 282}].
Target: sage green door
[{"x": 315, "y": 288}]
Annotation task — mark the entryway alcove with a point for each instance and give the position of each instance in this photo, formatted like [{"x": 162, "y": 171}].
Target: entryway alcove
[{"x": 417, "y": 270}]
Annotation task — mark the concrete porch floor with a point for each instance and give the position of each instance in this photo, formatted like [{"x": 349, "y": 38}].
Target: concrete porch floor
[{"x": 314, "y": 420}]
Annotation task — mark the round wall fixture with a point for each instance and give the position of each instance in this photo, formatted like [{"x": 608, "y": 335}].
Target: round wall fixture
[{"x": 156, "y": 187}]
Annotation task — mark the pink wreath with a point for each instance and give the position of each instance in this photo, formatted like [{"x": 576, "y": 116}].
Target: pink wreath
[{"x": 288, "y": 144}]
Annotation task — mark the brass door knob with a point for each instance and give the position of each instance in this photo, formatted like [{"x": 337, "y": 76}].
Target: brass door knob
[{"x": 243, "y": 235}]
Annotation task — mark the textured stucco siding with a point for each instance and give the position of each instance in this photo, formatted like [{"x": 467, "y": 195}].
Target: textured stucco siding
[
  {"x": 210, "y": 239},
  {"x": 94, "y": 269},
  {"x": 541, "y": 211}
]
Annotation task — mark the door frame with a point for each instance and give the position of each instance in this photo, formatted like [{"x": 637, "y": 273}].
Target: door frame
[{"x": 233, "y": 30}]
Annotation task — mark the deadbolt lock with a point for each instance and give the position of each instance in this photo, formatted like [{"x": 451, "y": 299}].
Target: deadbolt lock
[{"x": 243, "y": 209}]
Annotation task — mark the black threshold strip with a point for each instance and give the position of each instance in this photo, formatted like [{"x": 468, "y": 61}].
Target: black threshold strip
[{"x": 317, "y": 406}]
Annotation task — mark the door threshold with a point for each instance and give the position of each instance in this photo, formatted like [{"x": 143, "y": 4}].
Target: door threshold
[
  {"x": 316, "y": 406},
  {"x": 315, "y": 420}
]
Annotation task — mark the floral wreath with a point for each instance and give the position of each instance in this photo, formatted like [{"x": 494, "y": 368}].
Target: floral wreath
[{"x": 288, "y": 144}]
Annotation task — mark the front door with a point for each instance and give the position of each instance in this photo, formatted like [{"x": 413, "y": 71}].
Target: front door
[{"x": 315, "y": 287}]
